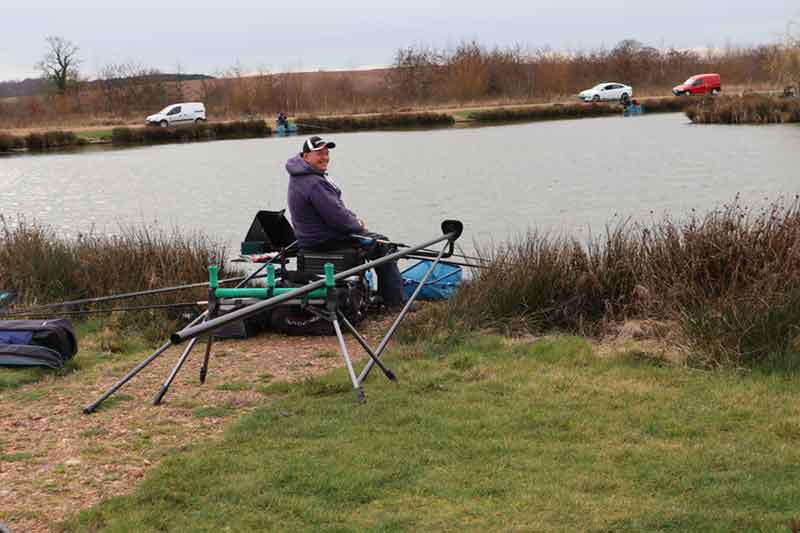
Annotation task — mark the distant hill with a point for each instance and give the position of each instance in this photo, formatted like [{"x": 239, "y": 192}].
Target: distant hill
[
  {"x": 34, "y": 86},
  {"x": 26, "y": 87}
]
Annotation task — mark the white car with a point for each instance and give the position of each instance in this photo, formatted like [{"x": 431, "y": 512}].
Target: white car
[
  {"x": 174, "y": 114},
  {"x": 607, "y": 91}
]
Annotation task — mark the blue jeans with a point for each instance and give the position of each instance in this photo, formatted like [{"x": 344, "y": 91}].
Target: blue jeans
[{"x": 390, "y": 282}]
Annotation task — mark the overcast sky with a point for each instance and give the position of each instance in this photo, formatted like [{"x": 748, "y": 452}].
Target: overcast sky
[{"x": 209, "y": 37}]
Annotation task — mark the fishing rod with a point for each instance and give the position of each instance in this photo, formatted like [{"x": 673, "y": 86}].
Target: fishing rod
[
  {"x": 113, "y": 297},
  {"x": 300, "y": 124},
  {"x": 425, "y": 250},
  {"x": 115, "y": 309},
  {"x": 445, "y": 261}
]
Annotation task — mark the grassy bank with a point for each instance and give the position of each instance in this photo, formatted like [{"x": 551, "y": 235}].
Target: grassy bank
[
  {"x": 729, "y": 280},
  {"x": 748, "y": 109},
  {"x": 314, "y": 124},
  {"x": 43, "y": 267},
  {"x": 38, "y": 142},
  {"x": 122, "y": 136},
  {"x": 570, "y": 111},
  {"x": 490, "y": 435},
  {"x": 482, "y": 431},
  {"x": 197, "y": 132}
]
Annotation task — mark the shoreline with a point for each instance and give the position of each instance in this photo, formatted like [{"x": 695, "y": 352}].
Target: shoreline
[
  {"x": 36, "y": 140},
  {"x": 24, "y": 140}
]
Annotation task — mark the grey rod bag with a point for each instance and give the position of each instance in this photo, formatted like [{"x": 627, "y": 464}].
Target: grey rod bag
[
  {"x": 27, "y": 355},
  {"x": 49, "y": 342}
]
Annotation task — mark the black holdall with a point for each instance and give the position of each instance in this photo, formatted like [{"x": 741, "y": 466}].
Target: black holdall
[{"x": 46, "y": 343}]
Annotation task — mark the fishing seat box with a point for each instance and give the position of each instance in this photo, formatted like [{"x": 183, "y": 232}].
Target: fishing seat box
[{"x": 313, "y": 262}]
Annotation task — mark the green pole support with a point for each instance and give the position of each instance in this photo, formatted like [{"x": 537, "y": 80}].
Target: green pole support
[
  {"x": 263, "y": 292},
  {"x": 329, "y": 281},
  {"x": 213, "y": 276},
  {"x": 270, "y": 276}
]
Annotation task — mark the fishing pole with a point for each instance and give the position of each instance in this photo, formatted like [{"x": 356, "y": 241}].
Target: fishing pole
[
  {"x": 114, "y": 309},
  {"x": 467, "y": 257},
  {"x": 446, "y": 261},
  {"x": 402, "y": 245},
  {"x": 113, "y": 297},
  {"x": 300, "y": 124}
]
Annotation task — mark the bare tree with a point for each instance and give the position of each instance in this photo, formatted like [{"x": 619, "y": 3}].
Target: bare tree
[
  {"x": 785, "y": 64},
  {"x": 60, "y": 63},
  {"x": 179, "y": 82},
  {"x": 126, "y": 88},
  {"x": 412, "y": 77}
]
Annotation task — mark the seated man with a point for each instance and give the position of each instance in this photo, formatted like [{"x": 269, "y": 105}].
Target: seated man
[
  {"x": 323, "y": 223},
  {"x": 282, "y": 121}
]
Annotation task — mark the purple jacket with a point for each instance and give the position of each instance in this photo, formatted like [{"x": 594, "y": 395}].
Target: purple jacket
[{"x": 315, "y": 205}]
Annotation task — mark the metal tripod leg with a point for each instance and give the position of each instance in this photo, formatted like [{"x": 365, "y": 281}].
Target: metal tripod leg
[
  {"x": 343, "y": 348},
  {"x": 114, "y": 388},
  {"x": 204, "y": 368},
  {"x": 163, "y": 390},
  {"x": 400, "y": 317},
  {"x": 363, "y": 342}
]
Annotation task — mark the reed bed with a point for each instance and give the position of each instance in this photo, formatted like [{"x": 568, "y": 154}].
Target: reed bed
[
  {"x": 729, "y": 280},
  {"x": 545, "y": 112},
  {"x": 198, "y": 132},
  {"x": 37, "y": 142},
  {"x": 665, "y": 105},
  {"x": 9, "y": 143},
  {"x": 747, "y": 109},
  {"x": 313, "y": 124},
  {"x": 577, "y": 110},
  {"x": 43, "y": 267}
]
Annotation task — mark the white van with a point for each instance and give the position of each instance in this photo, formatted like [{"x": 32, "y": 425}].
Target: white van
[{"x": 175, "y": 114}]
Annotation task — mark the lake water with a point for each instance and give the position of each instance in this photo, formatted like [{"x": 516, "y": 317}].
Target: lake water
[{"x": 573, "y": 176}]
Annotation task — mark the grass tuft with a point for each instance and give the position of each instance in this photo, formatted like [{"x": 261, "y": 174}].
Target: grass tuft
[
  {"x": 746, "y": 109},
  {"x": 48, "y": 267},
  {"x": 730, "y": 279}
]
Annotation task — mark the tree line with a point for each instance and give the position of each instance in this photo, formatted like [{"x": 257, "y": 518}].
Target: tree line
[{"x": 419, "y": 76}]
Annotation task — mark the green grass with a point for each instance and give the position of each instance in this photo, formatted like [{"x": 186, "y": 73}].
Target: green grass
[
  {"x": 114, "y": 400},
  {"x": 276, "y": 387},
  {"x": 94, "y": 135},
  {"x": 495, "y": 437},
  {"x": 220, "y": 411},
  {"x": 235, "y": 386},
  {"x": 14, "y": 457},
  {"x": 13, "y": 377}
]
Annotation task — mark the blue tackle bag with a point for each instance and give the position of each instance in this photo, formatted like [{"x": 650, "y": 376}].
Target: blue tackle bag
[{"x": 441, "y": 284}]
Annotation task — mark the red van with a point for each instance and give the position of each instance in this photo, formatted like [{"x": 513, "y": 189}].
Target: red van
[{"x": 699, "y": 84}]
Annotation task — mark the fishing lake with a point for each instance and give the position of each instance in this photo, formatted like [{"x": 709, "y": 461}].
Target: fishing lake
[{"x": 572, "y": 176}]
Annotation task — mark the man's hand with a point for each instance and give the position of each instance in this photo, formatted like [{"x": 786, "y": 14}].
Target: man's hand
[{"x": 363, "y": 223}]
